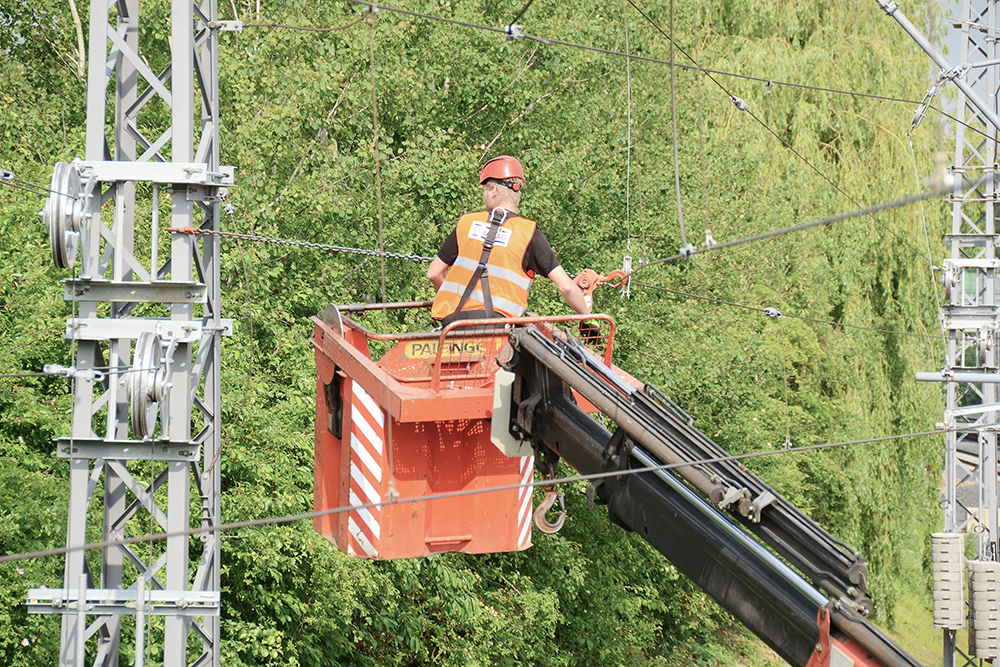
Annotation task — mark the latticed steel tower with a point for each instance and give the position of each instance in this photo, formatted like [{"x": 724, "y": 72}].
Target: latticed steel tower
[
  {"x": 969, "y": 319},
  {"x": 146, "y": 332}
]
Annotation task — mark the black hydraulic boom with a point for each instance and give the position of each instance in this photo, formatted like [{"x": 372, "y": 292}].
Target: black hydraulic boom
[{"x": 776, "y": 594}]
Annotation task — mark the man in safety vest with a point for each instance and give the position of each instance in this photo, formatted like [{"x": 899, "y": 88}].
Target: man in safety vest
[{"x": 486, "y": 266}]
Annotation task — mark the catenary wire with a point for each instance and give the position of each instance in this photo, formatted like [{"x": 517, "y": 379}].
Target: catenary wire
[
  {"x": 896, "y": 203},
  {"x": 781, "y": 314},
  {"x": 742, "y": 106},
  {"x": 291, "y": 518},
  {"x": 659, "y": 61},
  {"x": 299, "y": 27},
  {"x": 829, "y": 180},
  {"x": 21, "y": 187},
  {"x": 521, "y": 13},
  {"x": 748, "y": 77},
  {"x": 358, "y": 251},
  {"x": 34, "y": 188},
  {"x": 697, "y": 67}
]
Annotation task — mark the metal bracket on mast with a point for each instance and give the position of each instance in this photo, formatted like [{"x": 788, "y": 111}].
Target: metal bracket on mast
[{"x": 892, "y": 9}]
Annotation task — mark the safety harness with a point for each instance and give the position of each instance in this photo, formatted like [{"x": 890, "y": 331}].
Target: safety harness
[{"x": 496, "y": 219}]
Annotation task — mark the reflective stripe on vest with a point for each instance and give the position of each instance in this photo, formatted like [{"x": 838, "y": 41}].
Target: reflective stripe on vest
[{"x": 509, "y": 284}]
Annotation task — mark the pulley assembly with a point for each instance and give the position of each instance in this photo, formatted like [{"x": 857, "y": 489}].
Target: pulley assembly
[
  {"x": 146, "y": 385},
  {"x": 64, "y": 213},
  {"x": 949, "y": 279},
  {"x": 984, "y": 342}
]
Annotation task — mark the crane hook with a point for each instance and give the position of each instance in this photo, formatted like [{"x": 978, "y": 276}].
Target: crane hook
[{"x": 551, "y": 495}]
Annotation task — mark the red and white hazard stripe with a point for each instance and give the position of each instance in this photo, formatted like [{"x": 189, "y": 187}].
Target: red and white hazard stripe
[
  {"x": 524, "y": 502},
  {"x": 367, "y": 445}
]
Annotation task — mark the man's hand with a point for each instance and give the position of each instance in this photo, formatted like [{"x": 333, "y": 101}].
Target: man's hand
[{"x": 569, "y": 290}]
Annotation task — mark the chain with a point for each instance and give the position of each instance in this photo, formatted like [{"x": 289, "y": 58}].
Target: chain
[{"x": 303, "y": 244}]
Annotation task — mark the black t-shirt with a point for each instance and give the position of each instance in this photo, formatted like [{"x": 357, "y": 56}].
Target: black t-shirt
[{"x": 538, "y": 257}]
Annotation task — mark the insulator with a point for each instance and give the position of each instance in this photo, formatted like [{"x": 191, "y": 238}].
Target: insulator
[
  {"x": 949, "y": 603},
  {"x": 984, "y": 612}
]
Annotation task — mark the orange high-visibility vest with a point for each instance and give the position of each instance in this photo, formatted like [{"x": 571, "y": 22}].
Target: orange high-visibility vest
[{"x": 509, "y": 284}]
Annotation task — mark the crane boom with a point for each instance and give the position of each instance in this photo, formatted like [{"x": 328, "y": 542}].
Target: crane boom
[{"x": 717, "y": 549}]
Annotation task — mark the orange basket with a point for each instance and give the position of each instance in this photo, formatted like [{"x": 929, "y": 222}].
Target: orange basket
[{"x": 416, "y": 422}]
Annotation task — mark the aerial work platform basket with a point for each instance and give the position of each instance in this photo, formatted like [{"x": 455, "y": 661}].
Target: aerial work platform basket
[{"x": 415, "y": 422}]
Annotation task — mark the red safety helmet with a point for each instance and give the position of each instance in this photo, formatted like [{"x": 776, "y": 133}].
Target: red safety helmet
[{"x": 503, "y": 168}]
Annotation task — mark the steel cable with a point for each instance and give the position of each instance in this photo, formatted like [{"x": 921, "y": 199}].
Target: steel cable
[
  {"x": 632, "y": 56},
  {"x": 779, "y": 314},
  {"x": 303, "y": 244},
  {"x": 742, "y": 106},
  {"x": 796, "y": 228},
  {"x": 290, "y": 518}
]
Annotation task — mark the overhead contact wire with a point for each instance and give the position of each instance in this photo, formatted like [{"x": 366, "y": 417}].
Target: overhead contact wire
[
  {"x": 611, "y": 52},
  {"x": 673, "y": 116},
  {"x": 303, "y": 244},
  {"x": 8, "y": 183},
  {"x": 305, "y": 28},
  {"x": 767, "y": 127},
  {"x": 796, "y": 228},
  {"x": 780, "y": 314},
  {"x": 628, "y": 139},
  {"x": 290, "y": 518},
  {"x": 33, "y": 188}
]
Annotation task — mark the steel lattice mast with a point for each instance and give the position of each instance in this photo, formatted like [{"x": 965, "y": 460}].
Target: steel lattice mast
[
  {"x": 146, "y": 329},
  {"x": 969, "y": 319}
]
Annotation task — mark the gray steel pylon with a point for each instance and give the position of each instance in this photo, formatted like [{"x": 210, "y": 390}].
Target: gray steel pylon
[
  {"x": 970, "y": 315},
  {"x": 146, "y": 421}
]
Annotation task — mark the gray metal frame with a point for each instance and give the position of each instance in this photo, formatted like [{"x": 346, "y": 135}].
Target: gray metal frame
[
  {"x": 147, "y": 482},
  {"x": 970, "y": 317}
]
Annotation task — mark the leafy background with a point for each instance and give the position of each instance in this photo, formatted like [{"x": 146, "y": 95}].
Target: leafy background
[{"x": 297, "y": 123}]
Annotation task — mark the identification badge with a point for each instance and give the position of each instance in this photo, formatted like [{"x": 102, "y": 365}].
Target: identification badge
[{"x": 480, "y": 230}]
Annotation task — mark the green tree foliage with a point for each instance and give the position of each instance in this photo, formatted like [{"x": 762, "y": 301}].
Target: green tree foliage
[{"x": 297, "y": 111}]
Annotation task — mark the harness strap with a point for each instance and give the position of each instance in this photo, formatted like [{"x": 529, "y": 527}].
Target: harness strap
[{"x": 497, "y": 218}]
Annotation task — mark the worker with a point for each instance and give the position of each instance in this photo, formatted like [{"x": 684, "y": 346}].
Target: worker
[{"x": 487, "y": 264}]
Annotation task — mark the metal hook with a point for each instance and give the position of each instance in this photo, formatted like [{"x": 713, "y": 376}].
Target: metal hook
[{"x": 539, "y": 517}]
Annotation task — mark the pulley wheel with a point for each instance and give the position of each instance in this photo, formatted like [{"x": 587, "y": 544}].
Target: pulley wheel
[
  {"x": 950, "y": 282},
  {"x": 984, "y": 343},
  {"x": 145, "y": 385},
  {"x": 63, "y": 213}
]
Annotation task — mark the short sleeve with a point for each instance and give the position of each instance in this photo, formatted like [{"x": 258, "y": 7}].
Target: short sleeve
[
  {"x": 539, "y": 258},
  {"x": 449, "y": 250}
]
